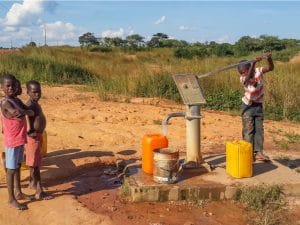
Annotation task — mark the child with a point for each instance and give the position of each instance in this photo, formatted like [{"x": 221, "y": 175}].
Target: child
[
  {"x": 21, "y": 105},
  {"x": 34, "y": 138},
  {"x": 252, "y": 109},
  {"x": 14, "y": 137}
]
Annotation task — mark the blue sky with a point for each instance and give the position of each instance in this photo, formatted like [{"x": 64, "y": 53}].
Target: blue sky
[{"x": 221, "y": 21}]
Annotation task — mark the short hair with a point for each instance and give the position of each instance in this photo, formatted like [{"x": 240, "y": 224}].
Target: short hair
[
  {"x": 32, "y": 82},
  {"x": 245, "y": 65},
  {"x": 7, "y": 76}
]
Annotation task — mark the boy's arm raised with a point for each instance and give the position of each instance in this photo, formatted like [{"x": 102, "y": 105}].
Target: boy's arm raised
[
  {"x": 250, "y": 73},
  {"x": 270, "y": 66}
]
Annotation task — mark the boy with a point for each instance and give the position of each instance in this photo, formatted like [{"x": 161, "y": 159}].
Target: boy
[
  {"x": 14, "y": 137},
  {"x": 252, "y": 109},
  {"x": 34, "y": 138}
]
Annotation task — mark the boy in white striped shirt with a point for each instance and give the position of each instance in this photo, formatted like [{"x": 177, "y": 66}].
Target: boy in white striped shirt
[{"x": 252, "y": 109}]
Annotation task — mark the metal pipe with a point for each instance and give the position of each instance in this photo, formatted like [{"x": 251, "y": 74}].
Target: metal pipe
[
  {"x": 193, "y": 141},
  {"x": 228, "y": 67},
  {"x": 165, "y": 121}
]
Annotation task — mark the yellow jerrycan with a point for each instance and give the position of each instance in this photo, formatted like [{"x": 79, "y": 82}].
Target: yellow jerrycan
[{"x": 239, "y": 159}]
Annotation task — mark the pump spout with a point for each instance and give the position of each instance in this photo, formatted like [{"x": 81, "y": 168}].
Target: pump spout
[{"x": 166, "y": 121}]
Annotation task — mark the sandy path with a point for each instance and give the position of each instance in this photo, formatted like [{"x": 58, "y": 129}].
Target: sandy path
[{"x": 84, "y": 130}]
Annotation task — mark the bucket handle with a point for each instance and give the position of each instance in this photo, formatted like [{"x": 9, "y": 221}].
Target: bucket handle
[{"x": 176, "y": 173}]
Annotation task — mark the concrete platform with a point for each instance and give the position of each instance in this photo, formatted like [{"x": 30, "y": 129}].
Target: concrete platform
[{"x": 197, "y": 184}]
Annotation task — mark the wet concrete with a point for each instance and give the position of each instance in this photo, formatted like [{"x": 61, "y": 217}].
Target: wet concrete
[{"x": 204, "y": 184}]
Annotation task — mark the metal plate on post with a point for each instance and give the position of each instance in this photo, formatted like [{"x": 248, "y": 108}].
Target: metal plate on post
[{"x": 189, "y": 89}]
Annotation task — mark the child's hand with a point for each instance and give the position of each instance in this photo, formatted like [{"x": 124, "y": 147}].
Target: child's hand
[
  {"x": 269, "y": 55},
  {"x": 258, "y": 58}
]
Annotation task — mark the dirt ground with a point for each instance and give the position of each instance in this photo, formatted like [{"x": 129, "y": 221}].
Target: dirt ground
[{"x": 86, "y": 136}]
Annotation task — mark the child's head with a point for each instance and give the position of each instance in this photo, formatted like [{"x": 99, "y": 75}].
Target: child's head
[
  {"x": 34, "y": 90},
  {"x": 18, "y": 88},
  {"x": 243, "y": 69},
  {"x": 8, "y": 85}
]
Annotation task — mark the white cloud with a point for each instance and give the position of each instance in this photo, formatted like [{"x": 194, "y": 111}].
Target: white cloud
[
  {"x": 15, "y": 33},
  {"x": 160, "y": 20},
  {"x": 223, "y": 39},
  {"x": 112, "y": 33},
  {"x": 184, "y": 28},
  {"x": 60, "y": 31},
  {"x": 27, "y": 12}
]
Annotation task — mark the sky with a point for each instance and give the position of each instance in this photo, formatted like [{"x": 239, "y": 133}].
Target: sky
[{"x": 193, "y": 21}]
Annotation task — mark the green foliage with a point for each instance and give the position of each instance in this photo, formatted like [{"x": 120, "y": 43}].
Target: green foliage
[
  {"x": 128, "y": 72},
  {"x": 88, "y": 39},
  {"x": 223, "y": 50},
  {"x": 286, "y": 54},
  {"x": 293, "y": 137},
  {"x": 158, "y": 85},
  {"x": 260, "y": 197},
  {"x": 99, "y": 48},
  {"x": 266, "y": 201},
  {"x": 45, "y": 70},
  {"x": 183, "y": 53},
  {"x": 223, "y": 99}
]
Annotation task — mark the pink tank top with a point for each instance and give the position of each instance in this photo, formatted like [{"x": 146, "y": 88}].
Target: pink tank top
[{"x": 14, "y": 132}]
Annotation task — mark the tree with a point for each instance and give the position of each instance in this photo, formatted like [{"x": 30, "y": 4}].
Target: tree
[
  {"x": 223, "y": 49},
  {"x": 156, "y": 40},
  {"x": 31, "y": 44},
  {"x": 247, "y": 44},
  {"x": 135, "y": 40},
  {"x": 88, "y": 39},
  {"x": 270, "y": 43}
]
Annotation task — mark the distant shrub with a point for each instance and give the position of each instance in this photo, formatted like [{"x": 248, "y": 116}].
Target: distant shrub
[
  {"x": 157, "y": 85},
  {"x": 99, "y": 48},
  {"x": 223, "y": 99},
  {"x": 183, "y": 53},
  {"x": 286, "y": 54}
]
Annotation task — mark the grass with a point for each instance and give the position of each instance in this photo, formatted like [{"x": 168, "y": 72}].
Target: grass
[
  {"x": 266, "y": 203},
  {"x": 157, "y": 122},
  {"x": 292, "y": 137},
  {"x": 283, "y": 158},
  {"x": 148, "y": 74},
  {"x": 288, "y": 139}
]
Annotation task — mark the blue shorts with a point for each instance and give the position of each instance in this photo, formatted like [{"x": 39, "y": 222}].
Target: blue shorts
[{"x": 14, "y": 157}]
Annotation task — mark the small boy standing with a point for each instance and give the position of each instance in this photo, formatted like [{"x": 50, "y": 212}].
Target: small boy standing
[
  {"x": 14, "y": 136},
  {"x": 34, "y": 138},
  {"x": 252, "y": 107}
]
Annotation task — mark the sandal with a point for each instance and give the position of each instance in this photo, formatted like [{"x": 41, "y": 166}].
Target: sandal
[{"x": 261, "y": 157}]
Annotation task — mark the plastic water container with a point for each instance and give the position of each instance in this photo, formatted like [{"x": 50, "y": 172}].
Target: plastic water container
[
  {"x": 149, "y": 143},
  {"x": 239, "y": 159}
]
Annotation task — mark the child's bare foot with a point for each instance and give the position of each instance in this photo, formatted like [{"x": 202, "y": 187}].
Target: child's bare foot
[
  {"x": 22, "y": 196},
  {"x": 17, "y": 205},
  {"x": 43, "y": 196}
]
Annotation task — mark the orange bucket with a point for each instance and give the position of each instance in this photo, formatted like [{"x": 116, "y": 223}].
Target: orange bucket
[{"x": 149, "y": 143}]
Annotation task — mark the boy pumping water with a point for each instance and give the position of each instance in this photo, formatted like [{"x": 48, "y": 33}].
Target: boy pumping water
[{"x": 252, "y": 104}]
